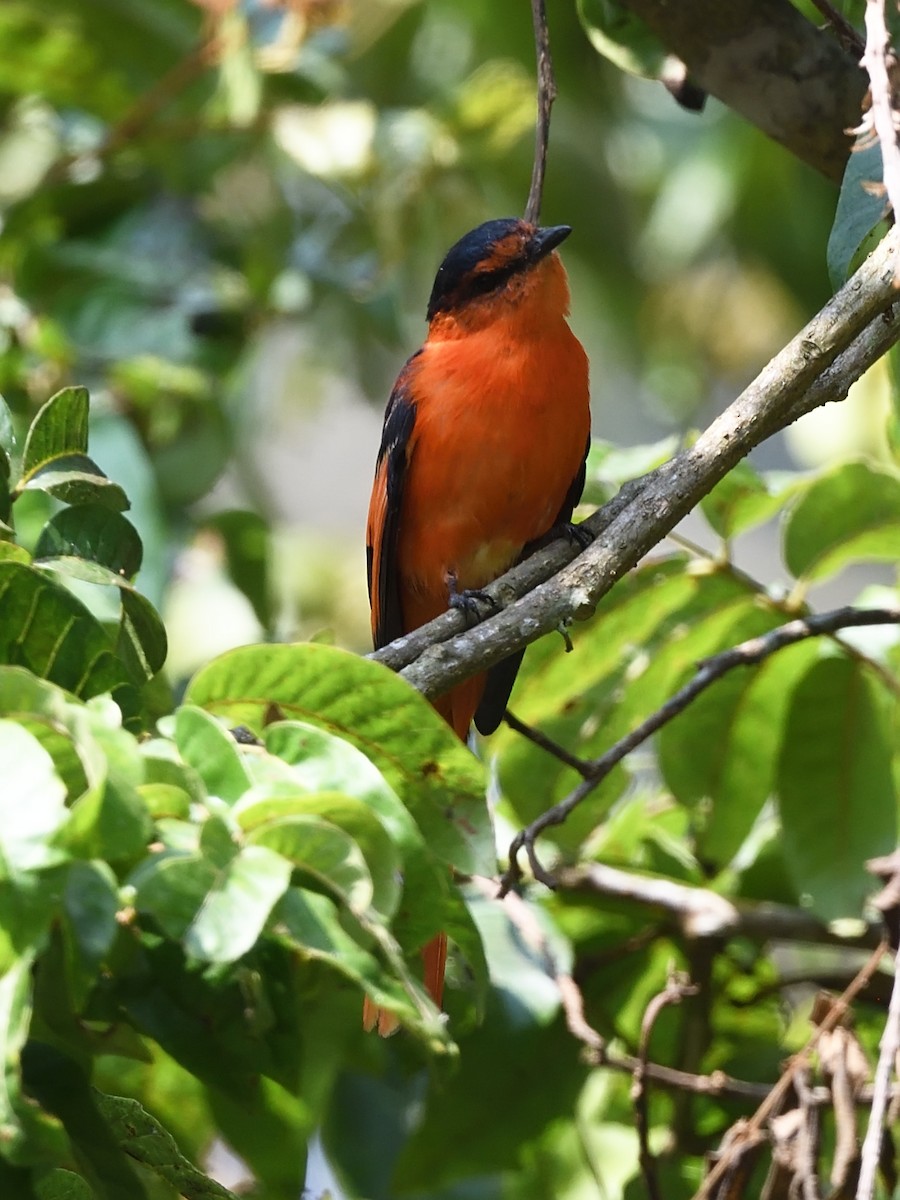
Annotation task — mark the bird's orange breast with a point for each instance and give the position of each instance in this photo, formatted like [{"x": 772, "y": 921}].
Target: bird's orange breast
[{"x": 502, "y": 419}]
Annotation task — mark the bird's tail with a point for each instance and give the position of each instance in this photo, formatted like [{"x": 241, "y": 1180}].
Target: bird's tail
[{"x": 457, "y": 708}]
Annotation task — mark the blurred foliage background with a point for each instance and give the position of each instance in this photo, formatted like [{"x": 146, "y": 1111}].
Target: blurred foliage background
[{"x": 225, "y": 219}]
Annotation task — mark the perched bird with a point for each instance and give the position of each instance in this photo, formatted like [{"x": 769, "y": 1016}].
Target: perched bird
[{"x": 482, "y": 455}]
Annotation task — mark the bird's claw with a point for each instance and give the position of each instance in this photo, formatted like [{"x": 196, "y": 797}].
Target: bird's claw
[
  {"x": 577, "y": 534},
  {"x": 468, "y": 600}
]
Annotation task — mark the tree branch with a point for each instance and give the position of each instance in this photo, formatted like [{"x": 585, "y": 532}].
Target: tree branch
[
  {"x": 880, "y": 60},
  {"x": 702, "y": 913},
  {"x": 546, "y": 96},
  {"x": 890, "y": 1045},
  {"x": 839, "y": 1009},
  {"x": 753, "y": 651},
  {"x": 838, "y": 345},
  {"x": 766, "y": 61},
  {"x": 677, "y": 989}
]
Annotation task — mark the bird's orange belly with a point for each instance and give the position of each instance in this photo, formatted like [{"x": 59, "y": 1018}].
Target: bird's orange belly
[{"x": 483, "y": 481}]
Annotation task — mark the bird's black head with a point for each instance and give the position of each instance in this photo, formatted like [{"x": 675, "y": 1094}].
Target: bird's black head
[{"x": 487, "y": 258}]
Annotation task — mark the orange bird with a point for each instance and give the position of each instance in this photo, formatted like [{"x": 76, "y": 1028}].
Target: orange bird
[{"x": 482, "y": 455}]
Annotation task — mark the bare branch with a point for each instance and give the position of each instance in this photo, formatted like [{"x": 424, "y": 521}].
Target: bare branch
[
  {"x": 677, "y": 989},
  {"x": 890, "y": 1046},
  {"x": 753, "y": 651},
  {"x": 701, "y": 913},
  {"x": 846, "y": 34},
  {"x": 546, "y": 96},
  {"x": 879, "y": 61},
  {"x": 772, "y": 1103}
]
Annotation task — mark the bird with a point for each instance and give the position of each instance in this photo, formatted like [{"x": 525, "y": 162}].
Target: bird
[{"x": 483, "y": 455}]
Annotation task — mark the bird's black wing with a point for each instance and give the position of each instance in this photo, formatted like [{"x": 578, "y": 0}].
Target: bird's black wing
[
  {"x": 501, "y": 678},
  {"x": 384, "y": 513}
]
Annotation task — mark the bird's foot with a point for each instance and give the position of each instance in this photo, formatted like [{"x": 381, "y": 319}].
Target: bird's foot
[
  {"x": 468, "y": 600},
  {"x": 576, "y": 534}
]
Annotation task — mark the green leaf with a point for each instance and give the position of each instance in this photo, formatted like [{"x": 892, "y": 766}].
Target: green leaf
[
  {"x": 109, "y": 822},
  {"x": 323, "y": 851},
  {"x": 7, "y": 440},
  {"x": 217, "y": 912},
  {"x": 75, "y": 479},
  {"x": 440, "y": 782},
  {"x": 32, "y": 802},
  {"x": 322, "y": 762},
  {"x": 26, "y": 1132},
  {"x": 213, "y": 753},
  {"x": 61, "y": 1086},
  {"x": 90, "y": 904},
  {"x": 725, "y": 749},
  {"x": 742, "y": 500},
  {"x": 94, "y": 533},
  {"x": 59, "y": 1184},
  {"x": 265, "y": 806},
  {"x": 835, "y": 788},
  {"x": 142, "y": 641},
  {"x": 237, "y": 907},
  {"x": 851, "y": 513},
  {"x": 145, "y": 1141},
  {"x": 616, "y": 33},
  {"x": 48, "y": 630},
  {"x": 859, "y": 209},
  {"x": 60, "y": 427},
  {"x": 311, "y": 923}
]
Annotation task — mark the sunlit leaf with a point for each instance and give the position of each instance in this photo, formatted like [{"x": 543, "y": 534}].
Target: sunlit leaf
[
  {"x": 213, "y": 753},
  {"x": 742, "y": 500},
  {"x": 264, "y": 807},
  {"x": 142, "y": 641},
  {"x": 323, "y": 762},
  {"x": 60, "y": 428},
  {"x": 849, "y": 514},
  {"x": 75, "y": 479},
  {"x": 323, "y": 850},
  {"x": 32, "y": 801},
  {"x": 94, "y": 533},
  {"x": 437, "y": 778}
]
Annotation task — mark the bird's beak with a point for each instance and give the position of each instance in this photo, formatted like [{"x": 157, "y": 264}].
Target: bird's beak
[{"x": 548, "y": 239}]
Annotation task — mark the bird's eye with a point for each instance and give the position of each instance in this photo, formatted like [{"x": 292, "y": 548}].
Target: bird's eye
[{"x": 488, "y": 281}]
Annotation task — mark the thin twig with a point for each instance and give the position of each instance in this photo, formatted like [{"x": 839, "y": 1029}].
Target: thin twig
[
  {"x": 808, "y": 1137},
  {"x": 890, "y": 1045},
  {"x": 775, "y": 1098},
  {"x": 879, "y": 61},
  {"x": 546, "y": 95},
  {"x": 677, "y": 989},
  {"x": 847, "y": 35},
  {"x": 750, "y": 652},
  {"x": 546, "y": 743}
]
